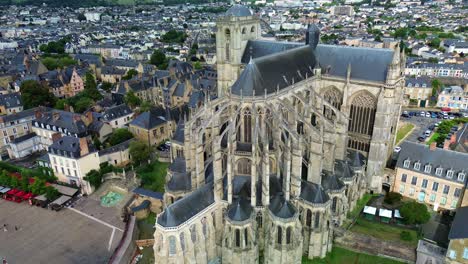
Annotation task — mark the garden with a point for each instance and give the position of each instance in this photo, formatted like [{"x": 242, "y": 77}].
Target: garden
[{"x": 340, "y": 255}]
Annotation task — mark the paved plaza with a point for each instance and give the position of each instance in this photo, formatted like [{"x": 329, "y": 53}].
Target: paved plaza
[{"x": 46, "y": 236}]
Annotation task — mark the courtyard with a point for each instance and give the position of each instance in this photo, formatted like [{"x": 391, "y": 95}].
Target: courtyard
[{"x": 67, "y": 236}]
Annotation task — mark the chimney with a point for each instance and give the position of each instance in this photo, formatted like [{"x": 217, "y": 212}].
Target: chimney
[
  {"x": 76, "y": 118},
  {"x": 446, "y": 144},
  {"x": 56, "y": 136},
  {"x": 433, "y": 146},
  {"x": 37, "y": 113},
  {"x": 84, "y": 149},
  {"x": 56, "y": 116}
]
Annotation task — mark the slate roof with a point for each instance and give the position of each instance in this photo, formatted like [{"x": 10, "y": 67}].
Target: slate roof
[
  {"x": 148, "y": 193},
  {"x": 238, "y": 11},
  {"x": 437, "y": 158},
  {"x": 366, "y": 63},
  {"x": 24, "y": 138},
  {"x": 144, "y": 205},
  {"x": 276, "y": 71},
  {"x": 68, "y": 146},
  {"x": 11, "y": 100},
  {"x": 282, "y": 208},
  {"x": 117, "y": 112},
  {"x": 343, "y": 170},
  {"x": 239, "y": 210},
  {"x": 331, "y": 182},
  {"x": 151, "y": 119},
  {"x": 63, "y": 119},
  {"x": 179, "y": 133},
  {"x": 355, "y": 158},
  {"x": 313, "y": 193},
  {"x": 179, "y": 90},
  {"x": 459, "y": 228},
  {"x": 187, "y": 207},
  {"x": 119, "y": 147}
]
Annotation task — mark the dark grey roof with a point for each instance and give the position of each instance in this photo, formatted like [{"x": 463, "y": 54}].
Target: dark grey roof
[
  {"x": 239, "y": 210},
  {"x": 65, "y": 120},
  {"x": 437, "y": 158},
  {"x": 68, "y": 147},
  {"x": 29, "y": 113},
  {"x": 238, "y": 11},
  {"x": 459, "y": 228},
  {"x": 148, "y": 193},
  {"x": 187, "y": 207},
  {"x": 343, "y": 170},
  {"x": 24, "y": 138},
  {"x": 196, "y": 99},
  {"x": 275, "y": 72},
  {"x": 259, "y": 48},
  {"x": 180, "y": 180},
  {"x": 281, "y": 208},
  {"x": 144, "y": 205},
  {"x": 151, "y": 119},
  {"x": 117, "y": 148},
  {"x": 366, "y": 63},
  {"x": 179, "y": 133},
  {"x": 179, "y": 90},
  {"x": 313, "y": 193},
  {"x": 11, "y": 100},
  {"x": 331, "y": 182},
  {"x": 117, "y": 112},
  {"x": 355, "y": 158}
]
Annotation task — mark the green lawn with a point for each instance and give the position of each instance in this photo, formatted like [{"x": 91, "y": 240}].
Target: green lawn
[
  {"x": 403, "y": 131},
  {"x": 360, "y": 205},
  {"x": 153, "y": 176},
  {"x": 145, "y": 227},
  {"x": 433, "y": 138},
  {"x": 340, "y": 255},
  {"x": 384, "y": 231}
]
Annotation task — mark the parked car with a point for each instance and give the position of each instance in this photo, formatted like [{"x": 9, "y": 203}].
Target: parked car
[
  {"x": 422, "y": 113},
  {"x": 405, "y": 114},
  {"x": 422, "y": 138},
  {"x": 397, "y": 149},
  {"x": 431, "y": 127},
  {"x": 427, "y": 133},
  {"x": 428, "y": 115}
]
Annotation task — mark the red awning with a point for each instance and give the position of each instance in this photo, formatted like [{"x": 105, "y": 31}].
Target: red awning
[
  {"x": 13, "y": 191},
  {"x": 20, "y": 193}
]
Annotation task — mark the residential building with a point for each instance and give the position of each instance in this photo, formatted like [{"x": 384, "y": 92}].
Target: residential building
[
  {"x": 431, "y": 175},
  {"x": 438, "y": 70},
  {"x": 10, "y": 103},
  {"x": 23, "y": 146},
  {"x": 71, "y": 159},
  {"x": 454, "y": 97},
  {"x": 117, "y": 116},
  {"x": 418, "y": 90},
  {"x": 153, "y": 127},
  {"x": 457, "y": 251},
  {"x": 117, "y": 155}
]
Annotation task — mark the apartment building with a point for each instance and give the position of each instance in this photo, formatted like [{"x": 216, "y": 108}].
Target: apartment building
[{"x": 431, "y": 175}]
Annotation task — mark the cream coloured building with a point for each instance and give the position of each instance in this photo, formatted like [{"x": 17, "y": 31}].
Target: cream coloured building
[
  {"x": 298, "y": 133},
  {"x": 431, "y": 175}
]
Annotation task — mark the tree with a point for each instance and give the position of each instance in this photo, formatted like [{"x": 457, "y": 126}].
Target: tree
[
  {"x": 132, "y": 100},
  {"x": 158, "y": 58},
  {"x": 38, "y": 187},
  {"x": 139, "y": 151},
  {"x": 415, "y": 213},
  {"x": 145, "y": 106},
  {"x": 94, "y": 178},
  {"x": 60, "y": 104},
  {"x": 51, "y": 193},
  {"x": 4, "y": 178},
  {"x": 392, "y": 197},
  {"x": 83, "y": 104},
  {"x": 197, "y": 65},
  {"x": 81, "y": 17},
  {"x": 120, "y": 135},
  {"x": 130, "y": 74},
  {"x": 106, "y": 86},
  {"x": 35, "y": 94},
  {"x": 436, "y": 84},
  {"x": 435, "y": 43},
  {"x": 433, "y": 60},
  {"x": 24, "y": 184},
  {"x": 90, "y": 89}
]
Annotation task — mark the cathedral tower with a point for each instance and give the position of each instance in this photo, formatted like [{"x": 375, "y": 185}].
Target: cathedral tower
[{"x": 238, "y": 26}]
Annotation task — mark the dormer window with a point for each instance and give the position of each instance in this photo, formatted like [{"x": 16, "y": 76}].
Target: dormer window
[
  {"x": 406, "y": 164},
  {"x": 450, "y": 174},
  {"x": 461, "y": 176},
  {"x": 427, "y": 169},
  {"x": 438, "y": 171},
  {"x": 417, "y": 166}
]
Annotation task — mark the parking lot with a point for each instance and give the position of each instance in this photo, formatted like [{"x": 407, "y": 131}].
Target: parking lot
[
  {"x": 421, "y": 124},
  {"x": 37, "y": 235}
]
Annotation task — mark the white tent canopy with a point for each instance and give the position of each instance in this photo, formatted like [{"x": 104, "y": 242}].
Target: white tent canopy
[
  {"x": 370, "y": 210},
  {"x": 385, "y": 213},
  {"x": 397, "y": 214}
]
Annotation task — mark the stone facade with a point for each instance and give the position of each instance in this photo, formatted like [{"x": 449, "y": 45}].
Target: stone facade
[{"x": 264, "y": 172}]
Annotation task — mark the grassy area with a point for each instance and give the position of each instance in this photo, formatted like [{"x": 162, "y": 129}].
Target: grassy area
[
  {"x": 153, "y": 176},
  {"x": 146, "y": 229},
  {"x": 385, "y": 232},
  {"x": 340, "y": 255},
  {"x": 360, "y": 205},
  {"x": 433, "y": 138},
  {"x": 403, "y": 131}
]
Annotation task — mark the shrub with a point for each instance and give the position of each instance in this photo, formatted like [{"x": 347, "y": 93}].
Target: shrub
[
  {"x": 415, "y": 213},
  {"x": 392, "y": 198},
  {"x": 406, "y": 236}
]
